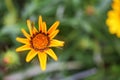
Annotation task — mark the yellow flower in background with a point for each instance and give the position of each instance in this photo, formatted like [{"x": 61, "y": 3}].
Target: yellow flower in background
[
  {"x": 40, "y": 41},
  {"x": 113, "y": 20}
]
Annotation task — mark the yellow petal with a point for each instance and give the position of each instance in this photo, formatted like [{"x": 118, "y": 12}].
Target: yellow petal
[
  {"x": 31, "y": 55},
  {"x": 42, "y": 59},
  {"x": 34, "y": 30},
  {"x": 115, "y": 5},
  {"x": 23, "y": 40},
  {"x": 53, "y": 34},
  {"x": 53, "y": 27},
  {"x": 51, "y": 53},
  {"x": 44, "y": 28},
  {"x": 40, "y": 23},
  {"x": 118, "y": 35},
  {"x": 56, "y": 43},
  {"x": 23, "y": 48},
  {"x": 25, "y": 34},
  {"x": 29, "y": 26}
]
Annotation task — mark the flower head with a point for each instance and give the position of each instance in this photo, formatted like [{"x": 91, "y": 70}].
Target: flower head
[
  {"x": 40, "y": 41},
  {"x": 113, "y": 20}
]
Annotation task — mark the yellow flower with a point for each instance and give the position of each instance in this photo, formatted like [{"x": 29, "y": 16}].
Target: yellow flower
[
  {"x": 40, "y": 41},
  {"x": 113, "y": 20}
]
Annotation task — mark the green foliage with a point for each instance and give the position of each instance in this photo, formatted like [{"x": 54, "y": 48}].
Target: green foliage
[{"x": 82, "y": 27}]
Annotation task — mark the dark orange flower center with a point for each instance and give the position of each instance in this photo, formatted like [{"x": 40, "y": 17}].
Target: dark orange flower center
[{"x": 40, "y": 41}]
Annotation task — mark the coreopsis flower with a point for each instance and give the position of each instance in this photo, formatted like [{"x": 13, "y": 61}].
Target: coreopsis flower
[
  {"x": 40, "y": 41},
  {"x": 113, "y": 20}
]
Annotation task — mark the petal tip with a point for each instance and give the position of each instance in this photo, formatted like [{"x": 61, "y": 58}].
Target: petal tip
[
  {"x": 28, "y": 20},
  {"x": 17, "y": 50},
  {"x": 22, "y": 30},
  {"x": 63, "y": 43},
  {"x": 27, "y": 60},
  {"x": 43, "y": 69},
  {"x": 58, "y": 22},
  {"x": 40, "y": 18},
  {"x": 17, "y": 39},
  {"x": 56, "y": 59}
]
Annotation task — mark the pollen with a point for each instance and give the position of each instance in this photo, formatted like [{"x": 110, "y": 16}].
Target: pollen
[{"x": 40, "y": 41}]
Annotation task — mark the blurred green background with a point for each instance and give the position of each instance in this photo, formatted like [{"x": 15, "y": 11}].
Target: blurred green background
[{"x": 90, "y": 51}]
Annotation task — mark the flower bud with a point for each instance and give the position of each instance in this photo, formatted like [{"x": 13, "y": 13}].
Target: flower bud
[{"x": 10, "y": 58}]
